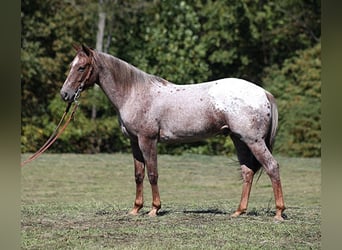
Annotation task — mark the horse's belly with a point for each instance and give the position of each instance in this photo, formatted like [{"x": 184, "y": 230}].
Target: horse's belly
[
  {"x": 184, "y": 136},
  {"x": 191, "y": 118},
  {"x": 193, "y": 130}
]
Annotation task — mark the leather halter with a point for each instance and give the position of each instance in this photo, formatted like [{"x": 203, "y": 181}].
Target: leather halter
[{"x": 81, "y": 86}]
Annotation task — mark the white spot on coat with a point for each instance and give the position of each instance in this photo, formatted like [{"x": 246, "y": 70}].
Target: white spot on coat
[
  {"x": 231, "y": 95},
  {"x": 75, "y": 61}
]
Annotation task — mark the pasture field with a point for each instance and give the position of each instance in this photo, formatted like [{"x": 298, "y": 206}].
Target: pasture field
[{"x": 72, "y": 201}]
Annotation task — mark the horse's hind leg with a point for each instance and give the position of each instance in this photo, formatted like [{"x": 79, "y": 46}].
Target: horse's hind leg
[
  {"x": 264, "y": 156},
  {"x": 249, "y": 166},
  {"x": 247, "y": 175},
  {"x": 139, "y": 171}
]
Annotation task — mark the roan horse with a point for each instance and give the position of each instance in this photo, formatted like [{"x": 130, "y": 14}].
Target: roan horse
[{"x": 153, "y": 110}]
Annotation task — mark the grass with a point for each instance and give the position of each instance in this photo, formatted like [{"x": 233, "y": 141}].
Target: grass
[{"x": 74, "y": 201}]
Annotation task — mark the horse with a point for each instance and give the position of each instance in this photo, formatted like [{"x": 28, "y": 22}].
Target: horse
[{"x": 151, "y": 110}]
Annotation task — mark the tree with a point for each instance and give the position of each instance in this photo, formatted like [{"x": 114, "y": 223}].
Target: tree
[
  {"x": 182, "y": 41},
  {"x": 244, "y": 37},
  {"x": 297, "y": 87},
  {"x": 46, "y": 48},
  {"x": 46, "y": 51}
]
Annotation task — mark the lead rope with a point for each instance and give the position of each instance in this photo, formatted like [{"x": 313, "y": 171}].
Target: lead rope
[{"x": 55, "y": 134}]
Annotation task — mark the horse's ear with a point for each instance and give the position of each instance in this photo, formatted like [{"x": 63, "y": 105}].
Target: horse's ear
[
  {"x": 76, "y": 47},
  {"x": 86, "y": 50}
]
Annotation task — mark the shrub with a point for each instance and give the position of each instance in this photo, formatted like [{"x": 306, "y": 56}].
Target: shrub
[{"x": 297, "y": 88}]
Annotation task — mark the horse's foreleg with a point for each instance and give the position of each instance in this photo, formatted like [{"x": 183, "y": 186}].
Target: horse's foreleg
[
  {"x": 247, "y": 175},
  {"x": 139, "y": 179},
  {"x": 149, "y": 150},
  {"x": 156, "y": 204},
  {"x": 139, "y": 173}
]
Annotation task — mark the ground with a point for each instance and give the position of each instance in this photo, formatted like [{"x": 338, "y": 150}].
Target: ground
[{"x": 72, "y": 201}]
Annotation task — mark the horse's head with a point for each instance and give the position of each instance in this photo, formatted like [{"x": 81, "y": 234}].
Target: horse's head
[{"x": 81, "y": 75}]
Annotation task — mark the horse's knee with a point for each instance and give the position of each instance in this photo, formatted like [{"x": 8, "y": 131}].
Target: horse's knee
[
  {"x": 153, "y": 178},
  {"x": 139, "y": 178}
]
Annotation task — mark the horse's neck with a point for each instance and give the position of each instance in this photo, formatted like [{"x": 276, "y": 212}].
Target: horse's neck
[{"x": 118, "y": 79}]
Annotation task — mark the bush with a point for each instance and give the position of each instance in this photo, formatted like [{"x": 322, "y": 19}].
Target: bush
[{"x": 297, "y": 88}]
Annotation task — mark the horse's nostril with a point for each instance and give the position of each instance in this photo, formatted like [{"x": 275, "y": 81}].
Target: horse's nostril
[{"x": 64, "y": 95}]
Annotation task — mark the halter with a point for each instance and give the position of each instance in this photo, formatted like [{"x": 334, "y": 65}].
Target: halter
[
  {"x": 81, "y": 86},
  {"x": 78, "y": 92}
]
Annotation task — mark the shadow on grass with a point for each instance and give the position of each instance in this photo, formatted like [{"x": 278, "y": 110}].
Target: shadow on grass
[
  {"x": 204, "y": 211},
  {"x": 264, "y": 212},
  {"x": 197, "y": 211}
]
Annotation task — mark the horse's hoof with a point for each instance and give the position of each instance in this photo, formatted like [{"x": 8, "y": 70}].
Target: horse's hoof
[
  {"x": 236, "y": 214},
  {"x": 133, "y": 212},
  {"x": 278, "y": 218},
  {"x": 153, "y": 213}
]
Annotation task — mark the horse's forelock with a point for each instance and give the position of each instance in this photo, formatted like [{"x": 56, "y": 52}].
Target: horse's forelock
[{"x": 83, "y": 58}]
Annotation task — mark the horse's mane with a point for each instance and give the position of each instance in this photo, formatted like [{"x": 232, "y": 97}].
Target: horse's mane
[{"x": 127, "y": 74}]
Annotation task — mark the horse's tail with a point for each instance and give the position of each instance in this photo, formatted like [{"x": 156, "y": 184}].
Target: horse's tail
[
  {"x": 272, "y": 131},
  {"x": 274, "y": 121}
]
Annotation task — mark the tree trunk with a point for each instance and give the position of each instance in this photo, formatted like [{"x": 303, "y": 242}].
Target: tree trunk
[{"x": 99, "y": 44}]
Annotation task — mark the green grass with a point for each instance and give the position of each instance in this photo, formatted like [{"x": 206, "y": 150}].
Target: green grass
[{"x": 74, "y": 201}]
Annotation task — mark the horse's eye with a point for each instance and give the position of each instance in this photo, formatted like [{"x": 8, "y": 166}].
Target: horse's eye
[{"x": 81, "y": 69}]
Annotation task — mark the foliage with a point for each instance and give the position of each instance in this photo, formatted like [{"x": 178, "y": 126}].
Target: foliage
[
  {"x": 182, "y": 41},
  {"x": 46, "y": 48},
  {"x": 88, "y": 135},
  {"x": 297, "y": 86},
  {"x": 172, "y": 46},
  {"x": 244, "y": 37}
]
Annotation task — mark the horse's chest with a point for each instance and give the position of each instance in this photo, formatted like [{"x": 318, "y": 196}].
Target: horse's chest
[
  {"x": 142, "y": 121},
  {"x": 123, "y": 127}
]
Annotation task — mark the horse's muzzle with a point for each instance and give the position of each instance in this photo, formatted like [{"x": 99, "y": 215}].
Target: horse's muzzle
[{"x": 68, "y": 95}]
